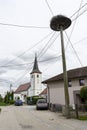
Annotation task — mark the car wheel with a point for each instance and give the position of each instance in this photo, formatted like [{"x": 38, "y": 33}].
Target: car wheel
[{"x": 37, "y": 108}]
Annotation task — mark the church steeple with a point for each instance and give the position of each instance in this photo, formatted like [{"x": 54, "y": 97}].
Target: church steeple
[
  {"x": 35, "y": 67},
  {"x": 36, "y": 79}
]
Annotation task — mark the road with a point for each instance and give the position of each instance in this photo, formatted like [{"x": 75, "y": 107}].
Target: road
[{"x": 28, "y": 118}]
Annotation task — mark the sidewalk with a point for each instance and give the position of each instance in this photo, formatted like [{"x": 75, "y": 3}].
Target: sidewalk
[{"x": 73, "y": 124}]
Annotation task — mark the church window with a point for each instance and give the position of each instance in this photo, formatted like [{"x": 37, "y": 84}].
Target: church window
[{"x": 37, "y": 76}]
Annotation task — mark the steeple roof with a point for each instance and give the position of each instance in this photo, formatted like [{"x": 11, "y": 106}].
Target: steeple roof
[{"x": 35, "y": 67}]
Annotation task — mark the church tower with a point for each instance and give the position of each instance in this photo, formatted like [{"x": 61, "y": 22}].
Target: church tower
[{"x": 36, "y": 79}]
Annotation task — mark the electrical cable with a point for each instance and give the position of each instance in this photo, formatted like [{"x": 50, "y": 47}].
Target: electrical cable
[
  {"x": 74, "y": 50},
  {"x": 46, "y": 27},
  {"x": 74, "y": 23},
  {"x": 22, "y": 26},
  {"x": 85, "y": 38},
  {"x": 41, "y": 61},
  {"x": 49, "y": 46},
  {"x": 28, "y": 49},
  {"x": 78, "y": 10},
  {"x": 76, "y": 19},
  {"x": 80, "y": 15},
  {"x": 49, "y": 7},
  {"x": 41, "y": 52},
  {"x": 27, "y": 71}
]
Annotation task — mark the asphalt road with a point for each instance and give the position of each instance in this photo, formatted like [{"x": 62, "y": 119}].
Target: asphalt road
[{"x": 28, "y": 118}]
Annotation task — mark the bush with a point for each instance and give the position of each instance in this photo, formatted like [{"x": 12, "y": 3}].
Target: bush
[
  {"x": 32, "y": 100},
  {"x": 83, "y": 93},
  {"x": 0, "y": 110},
  {"x": 3, "y": 104},
  {"x": 9, "y": 98},
  {"x": 1, "y": 99},
  {"x": 11, "y": 102}
]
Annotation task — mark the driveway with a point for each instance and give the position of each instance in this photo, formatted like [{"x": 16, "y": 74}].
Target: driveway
[{"x": 28, "y": 118}]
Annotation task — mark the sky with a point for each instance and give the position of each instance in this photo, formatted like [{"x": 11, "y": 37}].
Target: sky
[{"x": 25, "y": 30}]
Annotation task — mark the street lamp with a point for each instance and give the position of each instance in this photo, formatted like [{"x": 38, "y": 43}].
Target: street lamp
[{"x": 60, "y": 23}]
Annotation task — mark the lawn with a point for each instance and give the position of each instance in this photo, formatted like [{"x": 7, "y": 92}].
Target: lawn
[
  {"x": 3, "y": 104},
  {"x": 83, "y": 118}
]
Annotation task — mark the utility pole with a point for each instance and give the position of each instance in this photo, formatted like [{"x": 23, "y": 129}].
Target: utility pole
[
  {"x": 10, "y": 87},
  {"x": 60, "y": 23}
]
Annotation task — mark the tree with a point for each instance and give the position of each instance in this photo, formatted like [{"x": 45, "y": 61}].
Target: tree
[
  {"x": 1, "y": 99},
  {"x": 83, "y": 93},
  {"x": 9, "y": 98}
]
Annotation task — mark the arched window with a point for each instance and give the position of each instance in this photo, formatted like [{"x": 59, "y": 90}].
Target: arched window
[{"x": 37, "y": 76}]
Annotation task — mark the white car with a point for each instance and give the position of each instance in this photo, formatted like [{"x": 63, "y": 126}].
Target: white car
[{"x": 41, "y": 104}]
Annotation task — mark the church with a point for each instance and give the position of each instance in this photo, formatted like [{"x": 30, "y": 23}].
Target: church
[{"x": 34, "y": 87}]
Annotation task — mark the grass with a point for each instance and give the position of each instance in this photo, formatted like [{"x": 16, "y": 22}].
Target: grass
[
  {"x": 0, "y": 110},
  {"x": 3, "y": 104},
  {"x": 84, "y": 118}
]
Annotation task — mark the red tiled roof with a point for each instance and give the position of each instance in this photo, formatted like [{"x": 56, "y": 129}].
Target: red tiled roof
[
  {"x": 44, "y": 91},
  {"x": 72, "y": 74},
  {"x": 23, "y": 87}
]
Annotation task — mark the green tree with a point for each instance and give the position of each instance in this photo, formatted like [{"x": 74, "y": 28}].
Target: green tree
[
  {"x": 1, "y": 99},
  {"x": 83, "y": 93},
  {"x": 9, "y": 98}
]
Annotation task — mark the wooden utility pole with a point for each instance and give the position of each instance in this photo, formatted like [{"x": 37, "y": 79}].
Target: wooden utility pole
[{"x": 60, "y": 23}]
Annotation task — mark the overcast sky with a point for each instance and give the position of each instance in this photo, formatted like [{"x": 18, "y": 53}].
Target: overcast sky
[{"x": 25, "y": 30}]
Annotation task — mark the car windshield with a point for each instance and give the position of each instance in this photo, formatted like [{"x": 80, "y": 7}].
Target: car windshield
[{"x": 42, "y": 101}]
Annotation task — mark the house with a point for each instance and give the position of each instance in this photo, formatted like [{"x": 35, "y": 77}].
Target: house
[
  {"x": 33, "y": 88},
  {"x": 22, "y": 91},
  {"x": 43, "y": 93},
  {"x": 77, "y": 78}
]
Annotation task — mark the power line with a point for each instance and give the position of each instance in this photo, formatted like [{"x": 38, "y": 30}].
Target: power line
[
  {"x": 76, "y": 19},
  {"x": 49, "y": 7},
  {"x": 22, "y": 26},
  {"x": 31, "y": 62},
  {"x": 27, "y": 71},
  {"x": 49, "y": 46},
  {"x": 74, "y": 50},
  {"x": 81, "y": 40},
  {"x": 34, "y": 46},
  {"x": 29, "y": 48},
  {"x": 80, "y": 14},
  {"x": 41, "y": 52},
  {"x": 79, "y": 10}
]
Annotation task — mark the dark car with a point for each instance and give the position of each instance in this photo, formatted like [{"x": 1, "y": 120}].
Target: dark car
[
  {"x": 18, "y": 102},
  {"x": 41, "y": 104}
]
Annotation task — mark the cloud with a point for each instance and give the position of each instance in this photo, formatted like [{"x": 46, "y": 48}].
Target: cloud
[
  {"x": 2, "y": 71},
  {"x": 15, "y": 64},
  {"x": 49, "y": 58},
  {"x": 25, "y": 56}
]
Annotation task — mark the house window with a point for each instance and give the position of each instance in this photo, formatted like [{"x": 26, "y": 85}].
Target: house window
[
  {"x": 69, "y": 83},
  {"x": 81, "y": 82}
]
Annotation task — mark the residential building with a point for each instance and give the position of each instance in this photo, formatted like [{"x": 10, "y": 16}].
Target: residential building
[
  {"x": 22, "y": 92},
  {"x": 77, "y": 78},
  {"x": 43, "y": 94}
]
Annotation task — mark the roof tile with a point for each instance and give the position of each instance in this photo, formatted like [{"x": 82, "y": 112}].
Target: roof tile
[{"x": 23, "y": 87}]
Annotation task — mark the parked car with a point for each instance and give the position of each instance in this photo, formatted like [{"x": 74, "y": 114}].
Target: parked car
[
  {"x": 18, "y": 102},
  {"x": 41, "y": 104}
]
